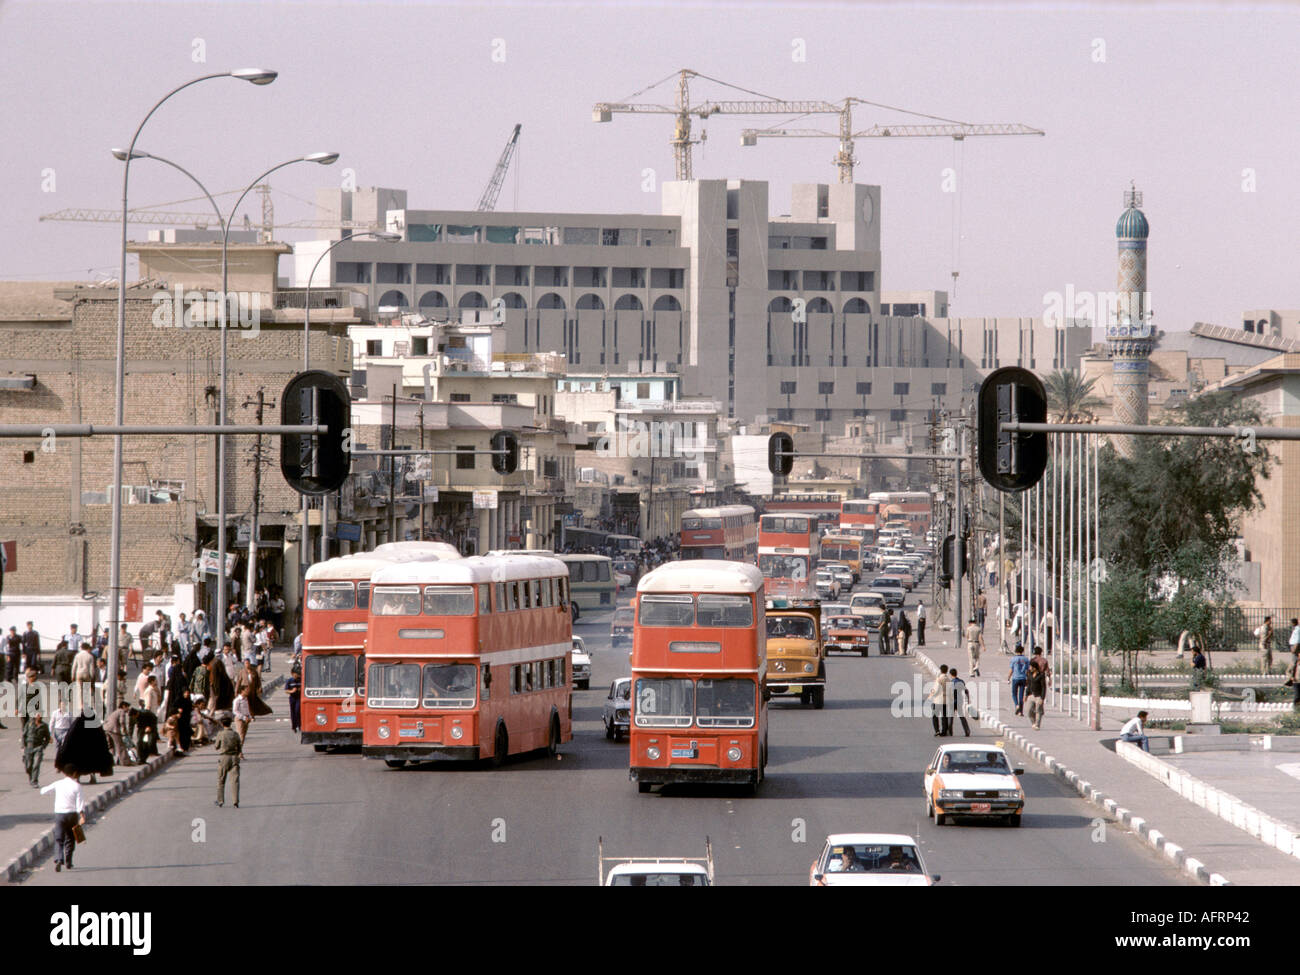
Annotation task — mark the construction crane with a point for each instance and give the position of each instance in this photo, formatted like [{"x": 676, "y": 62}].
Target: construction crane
[
  {"x": 845, "y": 159},
  {"x": 683, "y": 111},
  {"x": 488, "y": 201},
  {"x": 201, "y": 220}
]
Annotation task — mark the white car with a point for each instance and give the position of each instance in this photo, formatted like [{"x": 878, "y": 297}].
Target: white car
[
  {"x": 973, "y": 780},
  {"x": 581, "y": 664},
  {"x": 654, "y": 871},
  {"x": 870, "y": 860}
]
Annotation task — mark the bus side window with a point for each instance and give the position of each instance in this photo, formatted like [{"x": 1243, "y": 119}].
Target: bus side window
[
  {"x": 528, "y": 677},
  {"x": 484, "y": 599},
  {"x": 560, "y": 679},
  {"x": 501, "y": 597},
  {"x": 485, "y": 691},
  {"x": 604, "y": 572},
  {"x": 536, "y": 585},
  {"x": 516, "y": 680},
  {"x": 563, "y": 592},
  {"x": 548, "y": 592}
]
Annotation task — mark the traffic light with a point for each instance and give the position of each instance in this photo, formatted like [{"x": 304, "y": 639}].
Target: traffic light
[
  {"x": 505, "y": 459},
  {"x": 780, "y": 454},
  {"x": 1012, "y": 461},
  {"x": 948, "y": 562},
  {"x": 316, "y": 464}
]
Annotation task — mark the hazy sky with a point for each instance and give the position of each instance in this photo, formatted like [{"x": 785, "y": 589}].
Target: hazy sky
[{"x": 1197, "y": 104}]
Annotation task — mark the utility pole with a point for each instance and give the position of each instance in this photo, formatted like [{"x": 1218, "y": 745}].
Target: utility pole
[
  {"x": 250, "y": 579},
  {"x": 422, "y": 481},
  {"x": 392, "y": 477}
]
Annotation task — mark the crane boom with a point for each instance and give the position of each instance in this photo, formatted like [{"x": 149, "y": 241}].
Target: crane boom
[{"x": 488, "y": 201}]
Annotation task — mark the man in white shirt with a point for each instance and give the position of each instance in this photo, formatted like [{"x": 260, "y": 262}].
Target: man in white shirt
[
  {"x": 1135, "y": 732},
  {"x": 69, "y": 811}
]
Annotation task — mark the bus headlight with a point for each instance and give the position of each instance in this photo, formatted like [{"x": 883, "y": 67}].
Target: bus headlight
[
  {"x": 321, "y": 719},
  {"x": 808, "y": 667},
  {"x": 652, "y": 753},
  {"x": 733, "y": 754},
  {"x": 457, "y": 732},
  {"x": 384, "y": 732}
]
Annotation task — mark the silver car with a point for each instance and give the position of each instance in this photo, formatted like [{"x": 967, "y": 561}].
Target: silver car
[
  {"x": 617, "y": 713},
  {"x": 581, "y": 664}
]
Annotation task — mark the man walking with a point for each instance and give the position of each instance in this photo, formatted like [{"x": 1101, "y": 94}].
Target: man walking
[
  {"x": 36, "y": 737},
  {"x": 904, "y": 631},
  {"x": 115, "y": 727},
  {"x": 960, "y": 702},
  {"x": 920, "y": 624},
  {"x": 1265, "y": 634},
  {"x": 938, "y": 698},
  {"x": 83, "y": 675},
  {"x": 229, "y": 748},
  {"x": 1019, "y": 676},
  {"x": 974, "y": 645},
  {"x": 1036, "y": 689},
  {"x": 13, "y": 654},
  {"x": 32, "y": 648}
]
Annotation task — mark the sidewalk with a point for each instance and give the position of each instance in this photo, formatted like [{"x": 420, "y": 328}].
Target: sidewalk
[
  {"x": 26, "y": 816},
  {"x": 1207, "y": 848}
]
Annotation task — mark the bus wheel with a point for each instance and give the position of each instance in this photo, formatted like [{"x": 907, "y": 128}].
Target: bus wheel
[
  {"x": 321, "y": 748},
  {"x": 643, "y": 787},
  {"x": 395, "y": 762},
  {"x": 553, "y": 737},
  {"x": 500, "y": 746},
  {"x": 818, "y": 698}
]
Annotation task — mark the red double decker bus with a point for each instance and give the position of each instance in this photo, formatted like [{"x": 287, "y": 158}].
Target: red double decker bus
[
  {"x": 699, "y": 712},
  {"x": 468, "y": 659},
  {"x": 335, "y": 620},
  {"x": 788, "y": 549},
  {"x": 729, "y": 532},
  {"x": 860, "y": 517},
  {"x": 909, "y": 509}
]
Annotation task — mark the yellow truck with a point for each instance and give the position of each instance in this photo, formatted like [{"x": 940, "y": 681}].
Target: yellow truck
[{"x": 796, "y": 654}]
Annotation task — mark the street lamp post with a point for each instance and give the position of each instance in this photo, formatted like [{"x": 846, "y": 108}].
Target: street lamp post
[
  {"x": 304, "y": 552},
  {"x": 256, "y": 76},
  {"x": 323, "y": 159}
]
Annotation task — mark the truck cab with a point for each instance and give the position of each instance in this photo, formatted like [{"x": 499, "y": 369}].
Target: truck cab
[{"x": 796, "y": 653}]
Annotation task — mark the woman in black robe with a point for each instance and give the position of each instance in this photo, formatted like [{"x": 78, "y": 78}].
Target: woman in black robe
[
  {"x": 85, "y": 748},
  {"x": 177, "y": 685},
  {"x": 184, "y": 727}
]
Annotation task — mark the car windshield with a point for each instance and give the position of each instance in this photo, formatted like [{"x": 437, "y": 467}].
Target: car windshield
[
  {"x": 844, "y": 623},
  {"x": 871, "y": 599},
  {"x": 659, "y": 880},
  {"x": 973, "y": 762},
  {"x": 623, "y": 691},
  {"x": 872, "y": 858},
  {"x": 790, "y": 627}
]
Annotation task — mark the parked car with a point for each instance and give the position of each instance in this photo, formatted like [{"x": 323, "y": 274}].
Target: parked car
[
  {"x": 973, "y": 780},
  {"x": 581, "y": 664},
  {"x": 617, "y": 712},
  {"x": 870, "y": 860}
]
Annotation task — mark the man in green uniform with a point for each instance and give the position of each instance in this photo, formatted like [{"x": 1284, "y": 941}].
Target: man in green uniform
[
  {"x": 229, "y": 748},
  {"x": 35, "y": 737}
]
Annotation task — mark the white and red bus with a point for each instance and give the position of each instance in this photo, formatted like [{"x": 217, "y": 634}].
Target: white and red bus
[
  {"x": 468, "y": 659},
  {"x": 859, "y": 516},
  {"x": 910, "y": 509},
  {"x": 699, "y": 712},
  {"x": 440, "y": 550},
  {"x": 788, "y": 549},
  {"x": 335, "y": 620},
  {"x": 729, "y": 533}
]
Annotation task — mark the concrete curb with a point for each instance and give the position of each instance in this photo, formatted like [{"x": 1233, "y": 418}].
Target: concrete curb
[
  {"x": 1254, "y": 822},
  {"x": 21, "y": 863},
  {"x": 1190, "y": 865},
  {"x": 24, "y": 861}
]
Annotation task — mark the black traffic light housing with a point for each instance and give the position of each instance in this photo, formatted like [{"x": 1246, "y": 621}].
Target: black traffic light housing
[
  {"x": 780, "y": 454},
  {"x": 317, "y": 464},
  {"x": 1012, "y": 461},
  {"x": 505, "y": 456},
  {"x": 948, "y": 561}
]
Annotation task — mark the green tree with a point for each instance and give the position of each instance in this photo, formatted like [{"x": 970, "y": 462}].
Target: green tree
[
  {"x": 1127, "y": 622},
  {"x": 1070, "y": 398}
]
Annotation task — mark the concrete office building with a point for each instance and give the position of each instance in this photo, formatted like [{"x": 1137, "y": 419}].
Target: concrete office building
[{"x": 776, "y": 317}]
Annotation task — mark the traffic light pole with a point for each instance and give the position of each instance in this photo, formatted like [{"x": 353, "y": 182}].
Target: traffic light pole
[{"x": 959, "y": 552}]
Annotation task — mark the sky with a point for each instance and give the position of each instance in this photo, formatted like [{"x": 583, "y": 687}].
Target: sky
[{"x": 1197, "y": 105}]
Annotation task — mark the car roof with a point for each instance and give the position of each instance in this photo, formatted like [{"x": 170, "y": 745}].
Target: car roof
[
  {"x": 659, "y": 866},
  {"x": 880, "y": 839}
]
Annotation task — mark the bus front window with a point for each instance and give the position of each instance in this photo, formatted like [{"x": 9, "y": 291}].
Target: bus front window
[
  {"x": 725, "y": 703},
  {"x": 395, "y": 601},
  {"x": 329, "y": 675},
  {"x": 394, "y": 685},
  {"x": 664, "y": 702},
  {"x": 449, "y": 685}
]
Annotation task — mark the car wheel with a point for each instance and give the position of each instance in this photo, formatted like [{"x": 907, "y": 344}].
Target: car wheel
[
  {"x": 864, "y": 651},
  {"x": 500, "y": 747},
  {"x": 805, "y": 697},
  {"x": 818, "y": 698},
  {"x": 583, "y": 684},
  {"x": 938, "y": 817},
  {"x": 395, "y": 762},
  {"x": 1013, "y": 819},
  {"x": 573, "y": 611},
  {"x": 553, "y": 737},
  {"x": 609, "y": 729}
]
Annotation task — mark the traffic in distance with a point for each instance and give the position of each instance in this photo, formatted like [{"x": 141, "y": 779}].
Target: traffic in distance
[{"x": 412, "y": 654}]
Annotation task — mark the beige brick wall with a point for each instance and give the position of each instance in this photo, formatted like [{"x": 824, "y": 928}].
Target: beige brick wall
[{"x": 168, "y": 371}]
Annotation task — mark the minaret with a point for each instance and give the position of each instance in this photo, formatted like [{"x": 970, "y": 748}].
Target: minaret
[{"x": 1130, "y": 336}]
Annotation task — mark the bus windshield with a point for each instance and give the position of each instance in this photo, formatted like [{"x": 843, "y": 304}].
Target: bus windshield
[
  {"x": 783, "y": 566},
  {"x": 449, "y": 600},
  {"x": 330, "y": 595},
  {"x": 725, "y": 703},
  {"x": 664, "y": 702},
  {"x": 329, "y": 675},
  {"x": 449, "y": 685},
  {"x": 666, "y": 610},
  {"x": 394, "y": 685},
  {"x": 396, "y": 601}
]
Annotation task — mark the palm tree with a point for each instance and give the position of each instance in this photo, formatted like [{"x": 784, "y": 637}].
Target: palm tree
[{"x": 1070, "y": 398}]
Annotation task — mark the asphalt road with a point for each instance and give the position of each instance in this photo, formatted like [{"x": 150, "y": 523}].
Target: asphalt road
[{"x": 338, "y": 819}]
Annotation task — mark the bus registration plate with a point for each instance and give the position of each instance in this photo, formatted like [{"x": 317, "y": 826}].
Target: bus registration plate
[
  {"x": 692, "y": 752},
  {"x": 347, "y": 719}
]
